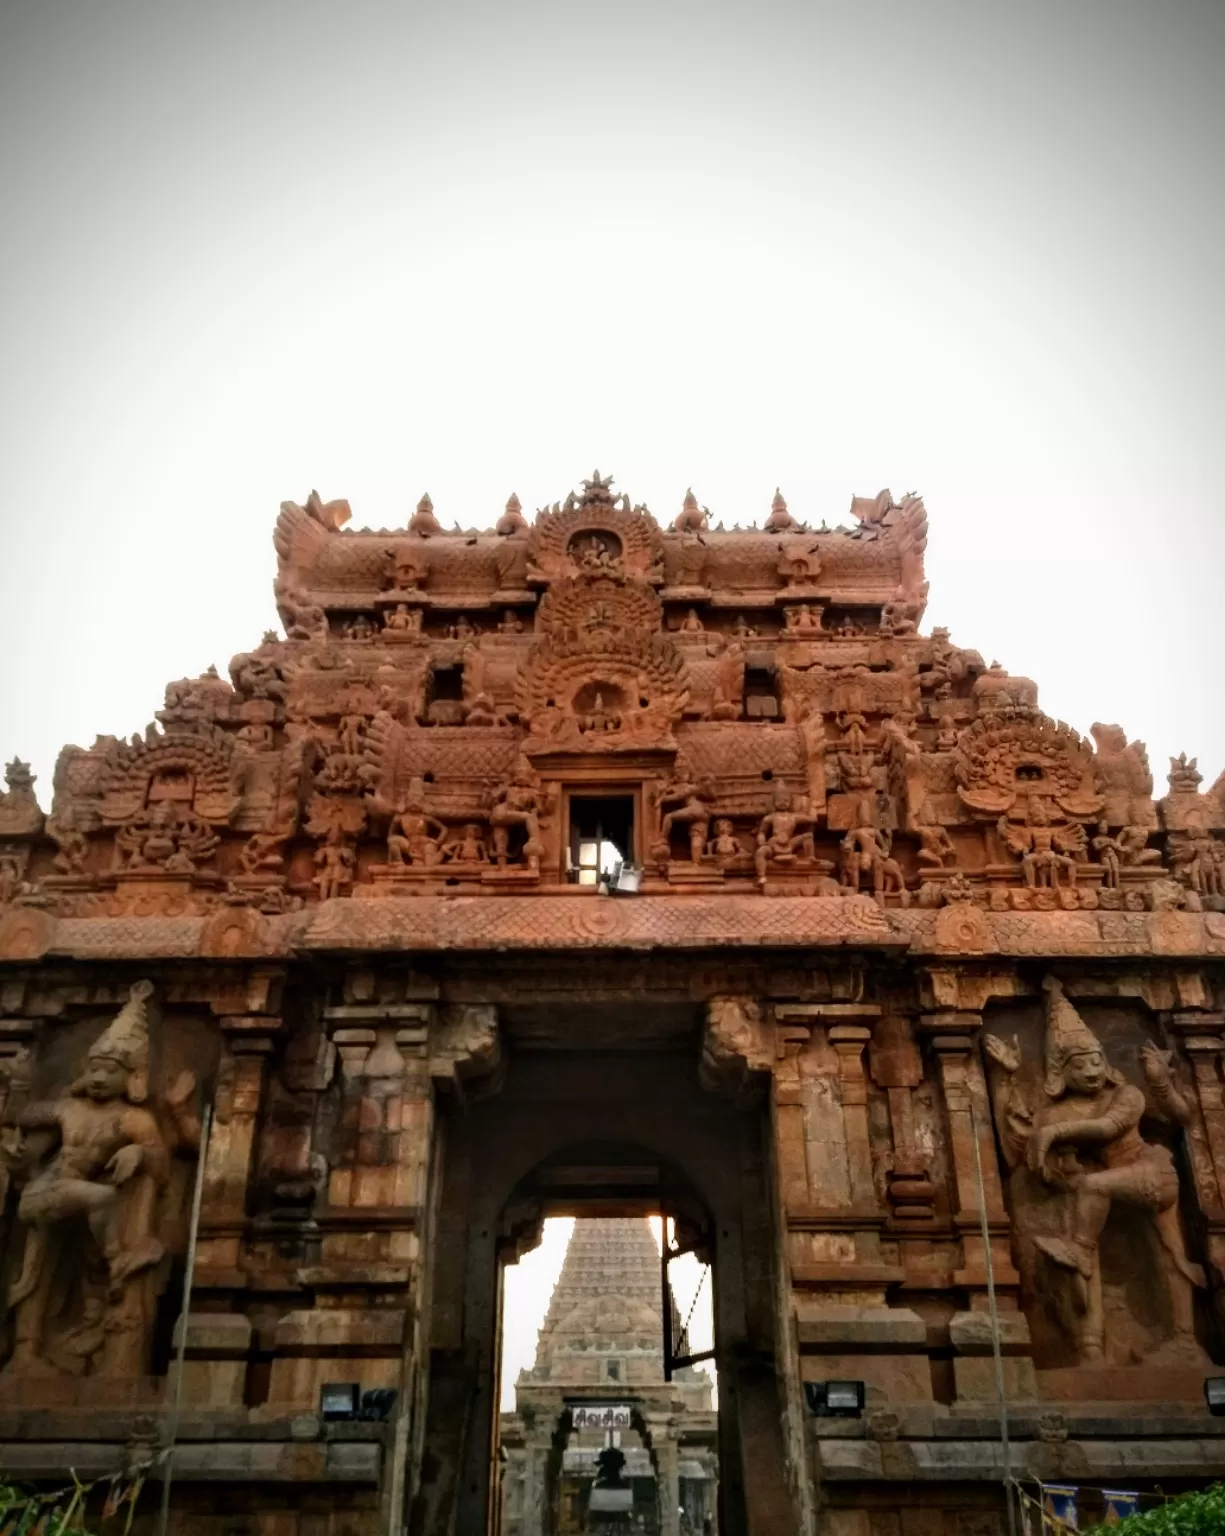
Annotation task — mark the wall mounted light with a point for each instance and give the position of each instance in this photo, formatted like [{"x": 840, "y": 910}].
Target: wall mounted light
[
  {"x": 339, "y": 1400},
  {"x": 836, "y": 1399},
  {"x": 1214, "y": 1394}
]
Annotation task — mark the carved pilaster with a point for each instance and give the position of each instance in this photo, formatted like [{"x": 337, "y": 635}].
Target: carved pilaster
[
  {"x": 247, "y": 1041},
  {"x": 953, "y": 1038}
]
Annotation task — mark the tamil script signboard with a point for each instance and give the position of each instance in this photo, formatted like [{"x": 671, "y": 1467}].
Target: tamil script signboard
[{"x": 600, "y": 1415}]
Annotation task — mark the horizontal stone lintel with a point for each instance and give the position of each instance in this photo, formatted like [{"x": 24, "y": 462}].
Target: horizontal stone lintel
[
  {"x": 1075, "y": 1461},
  {"x": 565, "y": 921},
  {"x": 233, "y": 1461}
]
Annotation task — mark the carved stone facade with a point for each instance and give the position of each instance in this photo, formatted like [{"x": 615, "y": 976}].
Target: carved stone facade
[{"x": 590, "y": 864}]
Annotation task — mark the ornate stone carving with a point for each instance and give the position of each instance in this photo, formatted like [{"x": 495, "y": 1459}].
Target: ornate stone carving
[
  {"x": 682, "y": 802},
  {"x": 1005, "y": 758},
  {"x": 92, "y": 1263},
  {"x": 20, "y": 815},
  {"x": 737, "y": 1046},
  {"x": 1076, "y": 1152},
  {"x": 515, "y": 817},
  {"x": 1047, "y": 852},
  {"x": 596, "y": 534},
  {"x": 785, "y": 836}
]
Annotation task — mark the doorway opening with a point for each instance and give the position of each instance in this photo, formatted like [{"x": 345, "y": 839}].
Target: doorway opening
[
  {"x": 601, "y": 836},
  {"x": 609, "y": 1395}
]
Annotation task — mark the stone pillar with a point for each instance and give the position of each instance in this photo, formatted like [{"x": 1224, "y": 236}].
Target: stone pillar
[
  {"x": 1200, "y": 1031},
  {"x": 532, "y": 1512},
  {"x": 372, "y": 1222},
  {"x": 953, "y": 1035},
  {"x": 838, "y": 1273},
  {"x": 218, "y": 1343},
  {"x": 667, "y": 1470},
  {"x": 247, "y": 1041}
]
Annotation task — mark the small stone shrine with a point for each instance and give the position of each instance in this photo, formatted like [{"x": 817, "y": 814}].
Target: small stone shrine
[{"x": 592, "y": 866}]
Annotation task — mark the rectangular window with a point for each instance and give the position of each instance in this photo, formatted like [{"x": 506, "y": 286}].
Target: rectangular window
[{"x": 760, "y": 700}]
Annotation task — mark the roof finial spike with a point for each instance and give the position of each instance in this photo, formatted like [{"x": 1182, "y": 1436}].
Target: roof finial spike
[
  {"x": 780, "y": 520},
  {"x": 423, "y": 520},
  {"x": 692, "y": 517},
  {"x": 512, "y": 520}
]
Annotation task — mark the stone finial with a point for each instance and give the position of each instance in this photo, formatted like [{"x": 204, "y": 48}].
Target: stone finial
[
  {"x": 780, "y": 519},
  {"x": 423, "y": 520},
  {"x": 512, "y": 519},
  {"x": 1185, "y": 777},
  {"x": 692, "y": 518},
  {"x": 17, "y": 776}
]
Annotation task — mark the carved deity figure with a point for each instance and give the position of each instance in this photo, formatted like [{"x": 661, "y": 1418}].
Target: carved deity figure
[
  {"x": 1198, "y": 862},
  {"x": 91, "y": 1209},
  {"x": 468, "y": 847},
  {"x": 403, "y": 620},
  {"x": 868, "y": 851},
  {"x": 936, "y": 850},
  {"x": 802, "y": 620},
  {"x": 728, "y": 683},
  {"x": 11, "y": 871},
  {"x": 596, "y": 554},
  {"x": 1083, "y": 1145},
  {"x": 724, "y": 845},
  {"x": 1109, "y": 852},
  {"x": 415, "y": 837},
  {"x": 691, "y": 624},
  {"x": 335, "y": 861},
  {"x": 785, "y": 834},
  {"x": 351, "y": 734},
  {"x": 359, "y": 628},
  {"x": 71, "y": 843},
  {"x": 516, "y": 804},
  {"x": 164, "y": 837},
  {"x": 690, "y": 802},
  {"x": 742, "y": 629},
  {"x": 511, "y": 623},
  {"x": 1045, "y": 850}
]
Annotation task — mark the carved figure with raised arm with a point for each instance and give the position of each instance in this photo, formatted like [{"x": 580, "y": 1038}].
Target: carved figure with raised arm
[
  {"x": 1083, "y": 1144},
  {"x": 108, "y": 1161},
  {"x": 690, "y": 802}
]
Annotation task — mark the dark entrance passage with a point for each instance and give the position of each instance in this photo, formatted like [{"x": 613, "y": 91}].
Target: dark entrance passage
[{"x": 602, "y": 1132}]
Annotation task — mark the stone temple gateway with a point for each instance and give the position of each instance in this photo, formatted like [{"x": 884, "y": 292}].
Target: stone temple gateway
[{"x": 589, "y": 867}]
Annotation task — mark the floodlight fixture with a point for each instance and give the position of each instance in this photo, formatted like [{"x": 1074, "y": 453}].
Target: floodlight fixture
[
  {"x": 339, "y": 1400},
  {"x": 836, "y": 1399}
]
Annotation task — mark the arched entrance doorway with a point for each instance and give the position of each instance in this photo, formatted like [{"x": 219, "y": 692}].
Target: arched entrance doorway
[
  {"x": 603, "y": 1364},
  {"x": 583, "y": 1132}
]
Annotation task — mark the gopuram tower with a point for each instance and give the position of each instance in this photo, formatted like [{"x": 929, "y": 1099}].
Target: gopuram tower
[
  {"x": 586, "y": 864},
  {"x": 599, "y": 1357}
]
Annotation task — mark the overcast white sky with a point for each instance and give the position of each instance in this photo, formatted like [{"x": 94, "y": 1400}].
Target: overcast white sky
[{"x": 972, "y": 249}]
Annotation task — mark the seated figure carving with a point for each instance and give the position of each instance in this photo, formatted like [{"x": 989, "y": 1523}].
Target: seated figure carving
[{"x": 785, "y": 834}]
